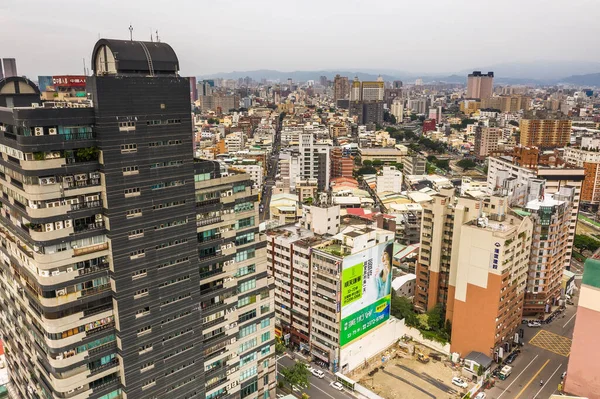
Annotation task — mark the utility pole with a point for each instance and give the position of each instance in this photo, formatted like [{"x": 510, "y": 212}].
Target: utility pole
[{"x": 130, "y": 32}]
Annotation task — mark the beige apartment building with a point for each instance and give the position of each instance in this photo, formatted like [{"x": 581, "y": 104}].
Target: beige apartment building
[
  {"x": 550, "y": 214},
  {"x": 506, "y": 176},
  {"x": 480, "y": 85},
  {"x": 545, "y": 133},
  {"x": 486, "y": 140}
]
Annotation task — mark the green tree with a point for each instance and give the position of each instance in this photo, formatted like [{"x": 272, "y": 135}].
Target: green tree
[
  {"x": 443, "y": 164},
  {"x": 281, "y": 116},
  {"x": 391, "y": 129},
  {"x": 367, "y": 170},
  {"x": 279, "y": 346},
  {"x": 212, "y": 121},
  {"x": 296, "y": 375},
  {"x": 413, "y": 117},
  {"x": 514, "y": 123},
  {"x": 584, "y": 242},
  {"x": 435, "y": 318},
  {"x": 432, "y": 159},
  {"x": 377, "y": 163},
  {"x": 367, "y": 162},
  {"x": 466, "y": 164},
  {"x": 357, "y": 161}
]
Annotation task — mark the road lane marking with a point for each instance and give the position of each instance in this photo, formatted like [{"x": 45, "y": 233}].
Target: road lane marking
[
  {"x": 515, "y": 380},
  {"x": 535, "y": 336},
  {"x": 547, "y": 381},
  {"x": 570, "y": 319},
  {"x": 531, "y": 380}
]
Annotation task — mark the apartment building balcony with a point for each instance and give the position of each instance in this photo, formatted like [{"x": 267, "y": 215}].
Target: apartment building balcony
[
  {"x": 88, "y": 226},
  {"x": 38, "y": 234},
  {"x": 44, "y": 164},
  {"x": 40, "y": 213}
]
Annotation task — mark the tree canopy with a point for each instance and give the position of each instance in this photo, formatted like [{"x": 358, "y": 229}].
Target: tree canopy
[
  {"x": 466, "y": 164},
  {"x": 296, "y": 375},
  {"x": 584, "y": 242}
]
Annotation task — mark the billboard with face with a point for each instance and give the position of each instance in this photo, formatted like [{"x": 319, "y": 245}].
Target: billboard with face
[{"x": 366, "y": 291}]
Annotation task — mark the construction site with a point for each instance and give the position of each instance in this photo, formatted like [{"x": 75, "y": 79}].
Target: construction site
[{"x": 410, "y": 370}]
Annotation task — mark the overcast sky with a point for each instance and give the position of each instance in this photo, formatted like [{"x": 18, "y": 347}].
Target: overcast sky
[{"x": 434, "y": 36}]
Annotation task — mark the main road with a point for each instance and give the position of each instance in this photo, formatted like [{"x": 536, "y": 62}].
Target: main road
[
  {"x": 537, "y": 371},
  {"x": 319, "y": 388}
]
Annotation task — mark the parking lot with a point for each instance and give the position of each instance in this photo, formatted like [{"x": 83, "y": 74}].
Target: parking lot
[{"x": 404, "y": 377}]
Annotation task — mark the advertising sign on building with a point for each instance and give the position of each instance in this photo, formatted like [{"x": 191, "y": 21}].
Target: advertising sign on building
[
  {"x": 366, "y": 291},
  {"x": 69, "y": 81}
]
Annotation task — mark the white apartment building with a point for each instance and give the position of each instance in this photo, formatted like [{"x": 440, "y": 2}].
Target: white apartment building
[
  {"x": 390, "y": 180},
  {"x": 256, "y": 173},
  {"x": 235, "y": 142},
  {"x": 514, "y": 182},
  {"x": 397, "y": 109}
]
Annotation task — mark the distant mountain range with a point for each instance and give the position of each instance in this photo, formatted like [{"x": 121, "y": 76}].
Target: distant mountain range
[{"x": 536, "y": 73}]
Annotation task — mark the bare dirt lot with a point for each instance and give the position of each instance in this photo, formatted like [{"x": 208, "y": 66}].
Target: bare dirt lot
[{"x": 403, "y": 377}]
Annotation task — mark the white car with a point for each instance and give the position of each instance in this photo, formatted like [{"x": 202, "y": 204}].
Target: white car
[
  {"x": 459, "y": 382},
  {"x": 534, "y": 324},
  {"x": 337, "y": 385},
  {"x": 317, "y": 373},
  {"x": 480, "y": 395}
]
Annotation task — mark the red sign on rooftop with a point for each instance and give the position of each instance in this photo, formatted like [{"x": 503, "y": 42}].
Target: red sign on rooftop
[{"x": 69, "y": 81}]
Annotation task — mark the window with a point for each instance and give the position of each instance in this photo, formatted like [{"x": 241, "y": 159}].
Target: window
[
  {"x": 133, "y": 213},
  {"x": 173, "y": 262},
  {"x": 265, "y": 351},
  {"x": 126, "y": 126},
  {"x": 165, "y": 164},
  {"x": 202, "y": 177},
  {"x": 149, "y": 383},
  {"x": 244, "y": 239},
  {"x": 243, "y": 255},
  {"x": 265, "y": 336},
  {"x": 251, "y": 343},
  {"x": 175, "y": 299},
  {"x": 264, "y": 309},
  {"x": 247, "y": 358},
  {"x": 171, "y": 243},
  {"x": 144, "y": 330},
  {"x": 133, "y": 234},
  {"x": 145, "y": 349},
  {"x": 142, "y": 312},
  {"x": 249, "y": 390},
  {"x": 244, "y": 270},
  {"x": 243, "y": 207},
  {"x": 147, "y": 366},
  {"x": 168, "y": 204},
  {"x": 246, "y": 330},
  {"x": 243, "y": 223},
  {"x": 139, "y": 273},
  {"x": 130, "y": 170},
  {"x": 170, "y": 224},
  {"x": 132, "y": 192},
  {"x": 239, "y": 188},
  {"x": 174, "y": 281},
  {"x": 247, "y": 285},
  {"x": 265, "y": 323},
  {"x": 247, "y": 316},
  {"x": 140, "y": 253},
  {"x": 140, "y": 293},
  {"x": 178, "y": 351},
  {"x": 244, "y": 375},
  {"x": 128, "y": 148},
  {"x": 246, "y": 301}
]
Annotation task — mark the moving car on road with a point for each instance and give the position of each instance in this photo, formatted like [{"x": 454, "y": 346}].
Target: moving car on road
[
  {"x": 317, "y": 373},
  {"x": 337, "y": 385},
  {"x": 459, "y": 382}
]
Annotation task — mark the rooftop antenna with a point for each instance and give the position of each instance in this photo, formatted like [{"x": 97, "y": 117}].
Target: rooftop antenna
[
  {"x": 151, "y": 39},
  {"x": 157, "y": 38},
  {"x": 84, "y": 70},
  {"x": 130, "y": 32}
]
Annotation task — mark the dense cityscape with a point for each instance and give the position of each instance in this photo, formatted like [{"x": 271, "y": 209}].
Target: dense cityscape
[{"x": 352, "y": 237}]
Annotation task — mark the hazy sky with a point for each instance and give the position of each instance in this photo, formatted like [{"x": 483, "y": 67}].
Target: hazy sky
[{"x": 52, "y": 37}]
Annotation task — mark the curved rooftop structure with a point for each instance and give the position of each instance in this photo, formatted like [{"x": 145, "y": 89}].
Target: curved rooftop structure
[
  {"x": 18, "y": 91},
  {"x": 126, "y": 57}
]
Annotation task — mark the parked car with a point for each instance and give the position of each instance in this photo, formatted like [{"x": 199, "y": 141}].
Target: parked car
[
  {"x": 564, "y": 374},
  {"x": 481, "y": 395},
  {"x": 511, "y": 358},
  {"x": 317, "y": 373},
  {"x": 534, "y": 324},
  {"x": 337, "y": 385},
  {"x": 459, "y": 382}
]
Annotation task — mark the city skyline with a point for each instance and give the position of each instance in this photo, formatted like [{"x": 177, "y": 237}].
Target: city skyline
[{"x": 228, "y": 29}]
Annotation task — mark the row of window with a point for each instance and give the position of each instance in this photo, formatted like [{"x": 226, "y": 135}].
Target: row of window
[
  {"x": 137, "y": 191},
  {"x": 133, "y": 147}
]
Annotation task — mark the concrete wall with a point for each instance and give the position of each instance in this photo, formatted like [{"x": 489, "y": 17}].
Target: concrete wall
[{"x": 355, "y": 354}]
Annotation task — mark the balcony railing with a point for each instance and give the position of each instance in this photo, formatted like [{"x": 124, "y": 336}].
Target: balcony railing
[
  {"x": 88, "y": 227},
  {"x": 86, "y": 205},
  {"x": 205, "y": 222},
  {"x": 90, "y": 249},
  {"x": 93, "y": 269},
  {"x": 95, "y": 290}
]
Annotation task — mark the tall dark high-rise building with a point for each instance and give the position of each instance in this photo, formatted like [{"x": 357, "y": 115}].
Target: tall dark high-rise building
[
  {"x": 10, "y": 67},
  {"x": 128, "y": 268},
  {"x": 1, "y": 71}
]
